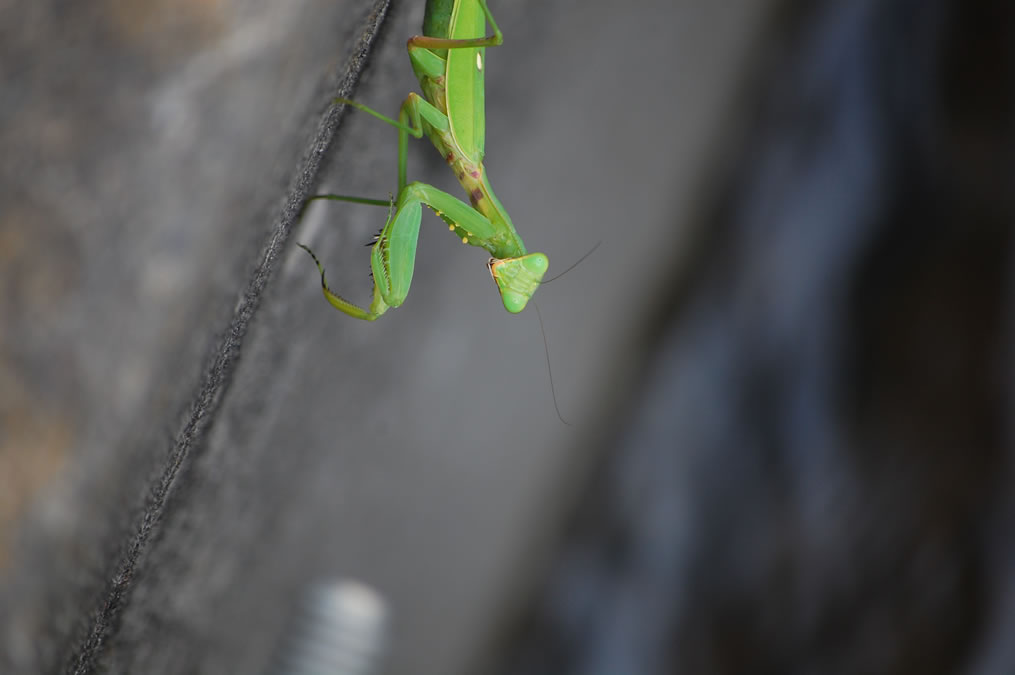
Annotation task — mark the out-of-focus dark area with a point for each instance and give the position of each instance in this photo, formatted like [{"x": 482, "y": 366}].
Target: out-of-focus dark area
[
  {"x": 787, "y": 366},
  {"x": 817, "y": 475}
]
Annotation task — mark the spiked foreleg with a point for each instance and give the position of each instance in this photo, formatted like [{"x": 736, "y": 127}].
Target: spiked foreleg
[{"x": 393, "y": 256}]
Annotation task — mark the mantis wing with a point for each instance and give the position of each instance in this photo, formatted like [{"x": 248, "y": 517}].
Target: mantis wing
[{"x": 465, "y": 88}]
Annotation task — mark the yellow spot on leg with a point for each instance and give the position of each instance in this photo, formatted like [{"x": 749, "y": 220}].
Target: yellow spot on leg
[{"x": 479, "y": 61}]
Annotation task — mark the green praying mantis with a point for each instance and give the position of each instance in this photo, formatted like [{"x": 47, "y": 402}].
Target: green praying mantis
[{"x": 448, "y": 60}]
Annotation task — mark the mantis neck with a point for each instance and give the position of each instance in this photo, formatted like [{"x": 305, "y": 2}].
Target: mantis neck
[{"x": 472, "y": 176}]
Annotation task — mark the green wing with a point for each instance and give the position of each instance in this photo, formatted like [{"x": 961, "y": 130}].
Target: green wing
[{"x": 465, "y": 90}]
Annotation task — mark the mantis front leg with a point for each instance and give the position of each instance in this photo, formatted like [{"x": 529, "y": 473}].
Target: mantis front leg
[
  {"x": 393, "y": 255},
  {"x": 391, "y": 282}
]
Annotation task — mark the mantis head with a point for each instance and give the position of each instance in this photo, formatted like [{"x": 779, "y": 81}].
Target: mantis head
[{"x": 518, "y": 278}]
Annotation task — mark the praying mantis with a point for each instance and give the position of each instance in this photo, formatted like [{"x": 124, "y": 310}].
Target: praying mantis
[{"x": 448, "y": 60}]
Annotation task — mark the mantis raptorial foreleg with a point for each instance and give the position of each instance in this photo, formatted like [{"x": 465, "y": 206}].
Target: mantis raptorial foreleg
[{"x": 393, "y": 256}]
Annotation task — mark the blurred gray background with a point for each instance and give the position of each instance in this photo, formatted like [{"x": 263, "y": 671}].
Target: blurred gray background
[{"x": 785, "y": 368}]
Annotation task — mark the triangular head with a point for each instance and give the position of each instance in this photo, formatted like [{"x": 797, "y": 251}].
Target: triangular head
[{"x": 518, "y": 278}]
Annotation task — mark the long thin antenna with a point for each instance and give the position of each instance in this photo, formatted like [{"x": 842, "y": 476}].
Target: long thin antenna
[
  {"x": 549, "y": 370},
  {"x": 580, "y": 261}
]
